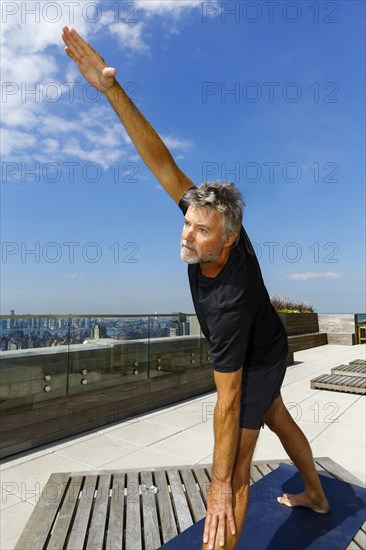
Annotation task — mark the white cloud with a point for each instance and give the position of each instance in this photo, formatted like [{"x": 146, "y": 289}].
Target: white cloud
[
  {"x": 131, "y": 37},
  {"x": 50, "y": 145},
  {"x": 32, "y": 49},
  {"x": 133, "y": 31},
  {"x": 12, "y": 140},
  {"x": 100, "y": 157},
  {"x": 177, "y": 143},
  {"x": 73, "y": 276},
  {"x": 171, "y": 7},
  {"x": 309, "y": 275}
]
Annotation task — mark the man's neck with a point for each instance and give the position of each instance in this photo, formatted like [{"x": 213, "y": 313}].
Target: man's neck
[{"x": 212, "y": 269}]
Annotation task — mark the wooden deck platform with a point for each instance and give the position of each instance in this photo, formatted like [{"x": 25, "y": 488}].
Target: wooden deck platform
[
  {"x": 349, "y": 378},
  {"x": 337, "y": 382},
  {"x": 131, "y": 510},
  {"x": 358, "y": 362},
  {"x": 353, "y": 369}
]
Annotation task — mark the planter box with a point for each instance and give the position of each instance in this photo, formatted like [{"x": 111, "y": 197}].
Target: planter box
[{"x": 300, "y": 323}]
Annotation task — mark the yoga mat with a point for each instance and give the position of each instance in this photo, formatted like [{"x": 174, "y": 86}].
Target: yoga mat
[{"x": 272, "y": 526}]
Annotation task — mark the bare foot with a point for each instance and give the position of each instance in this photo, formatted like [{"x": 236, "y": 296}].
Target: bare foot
[{"x": 303, "y": 499}]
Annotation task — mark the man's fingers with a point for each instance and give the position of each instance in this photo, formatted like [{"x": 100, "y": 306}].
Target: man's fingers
[
  {"x": 232, "y": 525},
  {"x": 207, "y": 528},
  {"x": 77, "y": 45},
  {"x": 69, "y": 53},
  {"x": 213, "y": 530},
  {"x": 215, "y": 525},
  {"x": 82, "y": 47},
  {"x": 76, "y": 53},
  {"x": 221, "y": 532}
]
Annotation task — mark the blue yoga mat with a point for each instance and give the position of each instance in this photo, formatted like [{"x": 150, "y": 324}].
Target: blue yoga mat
[{"x": 272, "y": 526}]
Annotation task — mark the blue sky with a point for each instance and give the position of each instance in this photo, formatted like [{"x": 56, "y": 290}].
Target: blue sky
[{"x": 268, "y": 95}]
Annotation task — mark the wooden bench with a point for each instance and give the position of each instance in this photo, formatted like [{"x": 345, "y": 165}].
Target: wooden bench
[
  {"x": 358, "y": 362},
  {"x": 338, "y": 382},
  {"x": 353, "y": 369},
  {"x": 121, "y": 510},
  {"x": 349, "y": 378}
]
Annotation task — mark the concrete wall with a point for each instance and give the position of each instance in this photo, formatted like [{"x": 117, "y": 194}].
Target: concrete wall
[
  {"x": 340, "y": 327},
  {"x": 337, "y": 322}
]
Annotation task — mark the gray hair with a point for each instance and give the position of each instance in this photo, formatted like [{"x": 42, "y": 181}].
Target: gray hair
[{"x": 219, "y": 197}]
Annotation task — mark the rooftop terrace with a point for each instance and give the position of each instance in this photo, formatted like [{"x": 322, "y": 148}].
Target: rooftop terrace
[{"x": 182, "y": 434}]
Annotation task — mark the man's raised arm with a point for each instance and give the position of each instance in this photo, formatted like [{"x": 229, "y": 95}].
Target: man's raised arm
[{"x": 150, "y": 146}]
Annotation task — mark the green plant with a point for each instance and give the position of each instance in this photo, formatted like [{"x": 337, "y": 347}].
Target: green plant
[{"x": 289, "y": 305}]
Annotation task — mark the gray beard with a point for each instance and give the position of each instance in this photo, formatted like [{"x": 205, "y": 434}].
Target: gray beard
[{"x": 201, "y": 260}]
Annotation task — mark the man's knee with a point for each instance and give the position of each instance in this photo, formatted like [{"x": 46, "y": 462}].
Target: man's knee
[{"x": 278, "y": 419}]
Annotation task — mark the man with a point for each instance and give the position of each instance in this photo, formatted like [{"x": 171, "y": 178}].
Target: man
[{"x": 249, "y": 342}]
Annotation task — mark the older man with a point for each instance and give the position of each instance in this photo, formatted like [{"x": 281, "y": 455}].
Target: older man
[{"x": 249, "y": 343}]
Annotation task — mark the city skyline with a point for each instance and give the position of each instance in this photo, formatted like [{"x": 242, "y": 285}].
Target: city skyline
[{"x": 38, "y": 332}]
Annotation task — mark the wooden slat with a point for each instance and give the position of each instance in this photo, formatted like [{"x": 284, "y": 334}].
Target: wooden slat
[
  {"x": 133, "y": 522},
  {"x": 63, "y": 522},
  {"x": 166, "y": 513},
  {"x": 149, "y": 514},
  {"x": 274, "y": 465},
  {"x": 179, "y": 500},
  {"x": 255, "y": 474},
  {"x": 81, "y": 521},
  {"x": 338, "y": 471},
  {"x": 321, "y": 378},
  {"x": 353, "y": 546},
  {"x": 360, "y": 538},
  {"x": 340, "y": 380},
  {"x": 38, "y": 527},
  {"x": 203, "y": 481},
  {"x": 264, "y": 469},
  {"x": 193, "y": 495},
  {"x": 99, "y": 516},
  {"x": 116, "y": 513}
]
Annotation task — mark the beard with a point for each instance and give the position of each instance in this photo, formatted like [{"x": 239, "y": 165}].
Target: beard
[{"x": 192, "y": 257}]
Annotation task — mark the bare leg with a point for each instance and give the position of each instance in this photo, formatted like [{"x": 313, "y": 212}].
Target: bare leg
[
  {"x": 279, "y": 420},
  {"x": 240, "y": 484}
]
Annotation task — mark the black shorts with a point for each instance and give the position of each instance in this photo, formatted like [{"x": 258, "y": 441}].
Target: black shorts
[{"x": 261, "y": 385}]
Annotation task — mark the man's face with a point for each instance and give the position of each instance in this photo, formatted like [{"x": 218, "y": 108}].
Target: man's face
[{"x": 202, "y": 236}]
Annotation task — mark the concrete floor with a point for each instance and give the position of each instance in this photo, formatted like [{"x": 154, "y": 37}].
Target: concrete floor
[{"x": 183, "y": 434}]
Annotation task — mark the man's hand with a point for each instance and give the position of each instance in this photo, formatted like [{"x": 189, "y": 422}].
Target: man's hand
[
  {"x": 92, "y": 65},
  {"x": 219, "y": 510}
]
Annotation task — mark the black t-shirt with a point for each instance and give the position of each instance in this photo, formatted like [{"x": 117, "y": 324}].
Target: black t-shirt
[{"x": 235, "y": 312}]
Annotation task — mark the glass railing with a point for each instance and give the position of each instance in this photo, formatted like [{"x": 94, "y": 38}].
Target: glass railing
[{"x": 47, "y": 357}]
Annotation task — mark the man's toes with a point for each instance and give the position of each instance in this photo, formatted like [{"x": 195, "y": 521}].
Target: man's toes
[{"x": 284, "y": 500}]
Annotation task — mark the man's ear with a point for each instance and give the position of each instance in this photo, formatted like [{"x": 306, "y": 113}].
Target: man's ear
[{"x": 231, "y": 239}]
